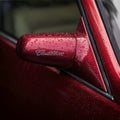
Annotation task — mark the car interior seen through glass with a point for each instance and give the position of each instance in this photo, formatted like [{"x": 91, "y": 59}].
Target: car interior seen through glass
[{"x": 19, "y": 17}]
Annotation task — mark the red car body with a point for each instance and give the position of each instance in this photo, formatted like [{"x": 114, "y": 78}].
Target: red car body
[{"x": 85, "y": 88}]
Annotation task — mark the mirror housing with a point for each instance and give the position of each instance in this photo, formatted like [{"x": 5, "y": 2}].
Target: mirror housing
[
  {"x": 49, "y": 49},
  {"x": 71, "y": 51}
]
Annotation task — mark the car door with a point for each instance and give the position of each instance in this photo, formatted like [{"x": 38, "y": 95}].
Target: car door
[{"x": 75, "y": 87}]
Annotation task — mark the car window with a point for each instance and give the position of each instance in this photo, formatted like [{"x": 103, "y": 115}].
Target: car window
[{"x": 34, "y": 16}]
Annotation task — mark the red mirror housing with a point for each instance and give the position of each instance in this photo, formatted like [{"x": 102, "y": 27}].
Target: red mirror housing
[
  {"x": 71, "y": 51},
  {"x": 50, "y": 49}
]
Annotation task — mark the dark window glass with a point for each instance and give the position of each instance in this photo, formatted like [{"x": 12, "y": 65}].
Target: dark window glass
[{"x": 19, "y": 17}]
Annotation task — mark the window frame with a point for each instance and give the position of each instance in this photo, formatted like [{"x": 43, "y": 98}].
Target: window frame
[{"x": 109, "y": 32}]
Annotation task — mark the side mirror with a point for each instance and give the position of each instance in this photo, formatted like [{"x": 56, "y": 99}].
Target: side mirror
[
  {"x": 71, "y": 51},
  {"x": 54, "y": 49},
  {"x": 57, "y": 49}
]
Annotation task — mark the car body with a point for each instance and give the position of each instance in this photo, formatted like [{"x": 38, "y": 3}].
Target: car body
[{"x": 87, "y": 88}]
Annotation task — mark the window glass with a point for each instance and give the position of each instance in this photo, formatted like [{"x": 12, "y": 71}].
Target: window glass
[{"x": 34, "y": 16}]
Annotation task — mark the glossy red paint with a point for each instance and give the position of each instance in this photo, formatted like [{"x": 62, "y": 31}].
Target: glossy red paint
[
  {"x": 110, "y": 62},
  {"x": 32, "y": 91},
  {"x": 52, "y": 49},
  {"x": 73, "y": 52}
]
